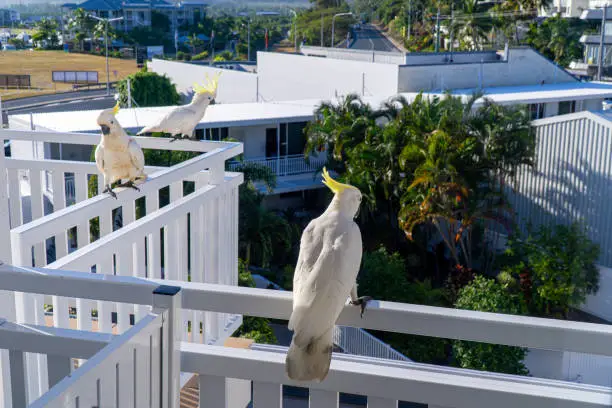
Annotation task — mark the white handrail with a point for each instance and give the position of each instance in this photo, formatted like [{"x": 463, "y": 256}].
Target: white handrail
[{"x": 511, "y": 330}]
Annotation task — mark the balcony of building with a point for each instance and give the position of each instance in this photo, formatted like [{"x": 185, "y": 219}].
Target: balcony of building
[{"x": 119, "y": 302}]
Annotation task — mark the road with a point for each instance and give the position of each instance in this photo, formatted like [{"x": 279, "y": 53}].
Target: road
[
  {"x": 370, "y": 38},
  {"x": 75, "y": 101}
]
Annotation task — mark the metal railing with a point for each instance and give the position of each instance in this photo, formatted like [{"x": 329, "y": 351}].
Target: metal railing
[{"x": 285, "y": 165}]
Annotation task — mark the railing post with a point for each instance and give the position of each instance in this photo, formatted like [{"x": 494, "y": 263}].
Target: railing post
[
  {"x": 169, "y": 298},
  {"x": 18, "y": 378}
]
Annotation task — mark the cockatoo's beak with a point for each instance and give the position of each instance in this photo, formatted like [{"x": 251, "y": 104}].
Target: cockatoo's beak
[
  {"x": 212, "y": 102},
  {"x": 105, "y": 129}
]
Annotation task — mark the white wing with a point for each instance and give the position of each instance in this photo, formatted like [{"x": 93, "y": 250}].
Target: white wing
[
  {"x": 100, "y": 158},
  {"x": 174, "y": 122},
  {"x": 328, "y": 263},
  {"x": 136, "y": 156}
]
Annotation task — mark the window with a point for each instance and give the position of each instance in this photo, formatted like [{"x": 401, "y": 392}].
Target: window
[
  {"x": 566, "y": 107},
  {"x": 536, "y": 111}
]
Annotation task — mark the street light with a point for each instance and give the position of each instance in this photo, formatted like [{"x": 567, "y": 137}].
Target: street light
[
  {"x": 333, "y": 24},
  {"x": 294, "y": 29},
  {"x": 106, "y": 21},
  {"x": 248, "y": 24}
]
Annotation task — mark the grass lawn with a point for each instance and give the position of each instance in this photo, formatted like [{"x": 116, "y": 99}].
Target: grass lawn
[{"x": 40, "y": 64}]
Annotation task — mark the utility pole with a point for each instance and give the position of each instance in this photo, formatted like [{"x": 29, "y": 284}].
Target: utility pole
[
  {"x": 106, "y": 21},
  {"x": 601, "y": 41},
  {"x": 452, "y": 31},
  {"x": 294, "y": 29},
  {"x": 409, "y": 18},
  {"x": 249, "y": 39},
  {"x": 322, "y": 30},
  {"x": 129, "y": 91},
  {"x": 438, "y": 31}
]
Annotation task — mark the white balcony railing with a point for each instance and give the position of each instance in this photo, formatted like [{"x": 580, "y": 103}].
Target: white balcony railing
[
  {"x": 225, "y": 374},
  {"x": 189, "y": 237},
  {"x": 286, "y": 165}
]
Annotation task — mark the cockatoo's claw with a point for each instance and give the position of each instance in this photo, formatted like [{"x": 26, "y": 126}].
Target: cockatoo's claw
[
  {"x": 362, "y": 301},
  {"x": 176, "y": 137},
  {"x": 110, "y": 191},
  {"x": 130, "y": 184}
]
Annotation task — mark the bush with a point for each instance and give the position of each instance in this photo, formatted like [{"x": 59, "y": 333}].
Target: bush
[
  {"x": 180, "y": 55},
  {"x": 555, "y": 269},
  {"x": 383, "y": 276},
  {"x": 486, "y": 295},
  {"x": 201, "y": 56},
  {"x": 149, "y": 89}
]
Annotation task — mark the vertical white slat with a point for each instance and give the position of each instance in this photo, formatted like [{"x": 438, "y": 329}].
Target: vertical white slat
[
  {"x": 238, "y": 392},
  {"x": 80, "y": 186},
  {"x": 213, "y": 258},
  {"x": 125, "y": 263},
  {"x": 171, "y": 233},
  {"x": 128, "y": 212},
  {"x": 19, "y": 380},
  {"x": 58, "y": 368},
  {"x": 212, "y": 391},
  {"x": 139, "y": 271},
  {"x": 107, "y": 387},
  {"x": 105, "y": 309},
  {"x": 236, "y": 234},
  {"x": 101, "y": 185},
  {"x": 155, "y": 368},
  {"x": 15, "y": 209},
  {"x": 59, "y": 190},
  {"x": 197, "y": 259},
  {"x": 267, "y": 395},
  {"x": 36, "y": 206},
  {"x": 323, "y": 399},
  {"x": 181, "y": 253},
  {"x": 154, "y": 257},
  {"x": 125, "y": 379},
  {"x": 376, "y": 402},
  {"x": 142, "y": 372},
  {"x": 206, "y": 266}
]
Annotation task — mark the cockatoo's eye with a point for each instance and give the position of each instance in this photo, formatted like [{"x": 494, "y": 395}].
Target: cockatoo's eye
[{"x": 112, "y": 121}]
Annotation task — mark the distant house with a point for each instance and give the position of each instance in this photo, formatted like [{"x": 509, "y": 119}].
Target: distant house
[
  {"x": 138, "y": 13},
  {"x": 8, "y": 16}
]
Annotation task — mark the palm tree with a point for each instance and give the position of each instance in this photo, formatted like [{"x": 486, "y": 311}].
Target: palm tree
[
  {"x": 82, "y": 24},
  {"x": 469, "y": 27}
]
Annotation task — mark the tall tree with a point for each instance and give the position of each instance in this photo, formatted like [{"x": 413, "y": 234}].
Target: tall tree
[{"x": 82, "y": 24}]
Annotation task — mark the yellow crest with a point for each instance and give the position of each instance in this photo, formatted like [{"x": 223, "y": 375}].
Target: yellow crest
[
  {"x": 332, "y": 184},
  {"x": 211, "y": 85},
  {"x": 116, "y": 108}
]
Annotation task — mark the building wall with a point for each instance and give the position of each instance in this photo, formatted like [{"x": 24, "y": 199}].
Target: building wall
[
  {"x": 234, "y": 87},
  {"x": 572, "y": 180},
  {"x": 294, "y": 77},
  {"x": 524, "y": 67},
  {"x": 253, "y": 138}
]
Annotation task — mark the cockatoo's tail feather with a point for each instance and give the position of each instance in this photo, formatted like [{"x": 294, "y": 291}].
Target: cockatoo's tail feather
[
  {"x": 211, "y": 86},
  {"x": 334, "y": 185}
]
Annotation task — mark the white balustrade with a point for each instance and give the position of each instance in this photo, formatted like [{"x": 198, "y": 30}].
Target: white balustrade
[
  {"x": 226, "y": 372},
  {"x": 286, "y": 165}
]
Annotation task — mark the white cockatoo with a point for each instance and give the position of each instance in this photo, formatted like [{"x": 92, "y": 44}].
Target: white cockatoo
[
  {"x": 181, "y": 121},
  {"x": 118, "y": 156},
  {"x": 325, "y": 276}
]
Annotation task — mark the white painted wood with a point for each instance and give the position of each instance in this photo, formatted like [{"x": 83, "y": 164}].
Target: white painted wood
[
  {"x": 197, "y": 266},
  {"x": 388, "y": 316},
  {"x": 139, "y": 271},
  {"x": 267, "y": 395},
  {"x": 36, "y": 206},
  {"x": 238, "y": 392},
  {"x": 212, "y": 391},
  {"x": 125, "y": 263},
  {"x": 171, "y": 356},
  {"x": 15, "y": 198},
  {"x": 322, "y": 399},
  {"x": 443, "y": 386},
  {"x": 58, "y": 368},
  {"x": 155, "y": 372},
  {"x": 377, "y": 402},
  {"x": 142, "y": 372},
  {"x": 105, "y": 309},
  {"x": 125, "y": 379}
]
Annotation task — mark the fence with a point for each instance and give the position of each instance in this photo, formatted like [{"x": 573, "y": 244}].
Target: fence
[
  {"x": 9, "y": 81},
  {"x": 75, "y": 77},
  {"x": 286, "y": 165}
]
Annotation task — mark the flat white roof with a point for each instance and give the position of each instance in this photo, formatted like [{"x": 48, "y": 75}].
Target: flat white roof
[
  {"x": 510, "y": 95},
  {"x": 262, "y": 113},
  {"x": 221, "y": 115}
]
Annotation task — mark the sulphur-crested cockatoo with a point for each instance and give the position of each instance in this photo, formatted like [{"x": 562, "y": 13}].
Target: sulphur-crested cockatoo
[
  {"x": 325, "y": 275},
  {"x": 181, "y": 121},
  {"x": 118, "y": 156}
]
